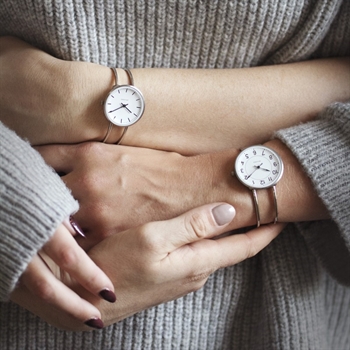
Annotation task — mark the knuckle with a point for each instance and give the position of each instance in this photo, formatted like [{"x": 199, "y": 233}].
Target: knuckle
[
  {"x": 43, "y": 290},
  {"x": 93, "y": 281},
  {"x": 147, "y": 240},
  {"x": 91, "y": 182},
  {"x": 149, "y": 272},
  {"x": 90, "y": 149},
  {"x": 197, "y": 280},
  {"x": 197, "y": 225},
  {"x": 68, "y": 257},
  {"x": 147, "y": 261}
]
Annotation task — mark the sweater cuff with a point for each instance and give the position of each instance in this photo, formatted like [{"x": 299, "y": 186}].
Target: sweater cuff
[
  {"x": 34, "y": 201},
  {"x": 322, "y": 148}
]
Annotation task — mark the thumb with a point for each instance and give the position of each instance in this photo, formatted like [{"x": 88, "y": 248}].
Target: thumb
[{"x": 204, "y": 222}]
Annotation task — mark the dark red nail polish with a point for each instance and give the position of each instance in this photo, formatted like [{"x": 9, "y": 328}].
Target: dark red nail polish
[
  {"x": 76, "y": 227},
  {"x": 95, "y": 322},
  {"x": 108, "y": 295}
]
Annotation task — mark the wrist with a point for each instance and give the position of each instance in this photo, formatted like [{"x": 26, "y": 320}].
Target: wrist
[
  {"x": 91, "y": 84},
  {"x": 297, "y": 199},
  {"x": 227, "y": 188},
  {"x": 123, "y": 106}
]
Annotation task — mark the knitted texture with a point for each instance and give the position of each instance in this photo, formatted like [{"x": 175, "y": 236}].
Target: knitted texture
[
  {"x": 292, "y": 295},
  {"x": 326, "y": 160},
  {"x": 182, "y": 33},
  {"x": 34, "y": 201}
]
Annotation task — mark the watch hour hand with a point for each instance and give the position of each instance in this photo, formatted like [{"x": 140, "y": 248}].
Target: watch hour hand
[
  {"x": 124, "y": 105},
  {"x": 259, "y": 167}
]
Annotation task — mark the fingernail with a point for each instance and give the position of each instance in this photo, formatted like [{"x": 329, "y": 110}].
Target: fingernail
[
  {"x": 108, "y": 295},
  {"x": 223, "y": 214},
  {"x": 76, "y": 227},
  {"x": 95, "y": 322}
]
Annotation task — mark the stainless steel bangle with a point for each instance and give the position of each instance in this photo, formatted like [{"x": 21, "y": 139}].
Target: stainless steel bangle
[
  {"x": 110, "y": 126},
  {"x": 256, "y": 206}
]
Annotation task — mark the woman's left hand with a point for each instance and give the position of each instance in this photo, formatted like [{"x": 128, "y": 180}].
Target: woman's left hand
[{"x": 119, "y": 187}]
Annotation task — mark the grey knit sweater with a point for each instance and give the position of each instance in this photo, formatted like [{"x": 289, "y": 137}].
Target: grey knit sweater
[{"x": 293, "y": 295}]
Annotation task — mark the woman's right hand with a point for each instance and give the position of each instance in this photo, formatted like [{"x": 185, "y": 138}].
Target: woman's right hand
[
  {"x": 164, "y": 260},
  {"x": 40, "y": 286},
  {"x": 161, "y": 261}
]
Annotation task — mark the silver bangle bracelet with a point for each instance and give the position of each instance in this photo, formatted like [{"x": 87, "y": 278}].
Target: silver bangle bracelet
[
  {"x": 110, "y": 126},
  {"x": 256, "y": 206}
]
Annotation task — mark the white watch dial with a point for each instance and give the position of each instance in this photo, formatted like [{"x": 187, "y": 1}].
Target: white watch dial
[
  {"x": 124, "y": 105},
  {"x": 258, "y": 167}
]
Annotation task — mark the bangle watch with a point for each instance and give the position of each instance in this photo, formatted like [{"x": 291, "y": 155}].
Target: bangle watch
[
  {"x": 259, "y": 167},
  {"x": 124, "y": 105}
]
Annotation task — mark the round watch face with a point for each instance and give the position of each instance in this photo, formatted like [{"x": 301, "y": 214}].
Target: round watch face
[
  {"x": 124, "y": 105},
  {"x": 258, "y": 167}
]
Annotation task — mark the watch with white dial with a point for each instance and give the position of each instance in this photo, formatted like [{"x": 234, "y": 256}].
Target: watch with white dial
[
  {"x": 124, "y": 105},
  {"x": 259, "y": 167}
]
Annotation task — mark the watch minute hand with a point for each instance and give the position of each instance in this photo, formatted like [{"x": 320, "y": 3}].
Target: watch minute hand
[{"x": 113, "y": 110}]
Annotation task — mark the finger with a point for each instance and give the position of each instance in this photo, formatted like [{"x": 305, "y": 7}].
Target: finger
[
  {"x": 50, "y": 313},
  {"x": 59, "y": 157},
  {"x": 66, "y": 253},
  {"x": 72, "y": 226},
  {"x": 231, "y": 250},
  {"x": 197, "y": 224},
  {"x": 42, "y": 283}
]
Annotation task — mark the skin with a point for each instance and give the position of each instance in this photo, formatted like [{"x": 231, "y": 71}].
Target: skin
[
  {"x": 182, "y": 114},
  {"x": 263, "y": 99},
  {"x": 172, "y": 258},
  {"x": 42, "y": 285},
  {"x": 146, "y": 185}
]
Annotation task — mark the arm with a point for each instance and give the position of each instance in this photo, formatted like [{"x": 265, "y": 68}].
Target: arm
[
  {"x": 161, "y": 185},
  {"x": 197, "y": 111},
  {"x": 188, "y": 111},
  {"x": 109, "y": 179},
  {"x": 33, "y": 203}
]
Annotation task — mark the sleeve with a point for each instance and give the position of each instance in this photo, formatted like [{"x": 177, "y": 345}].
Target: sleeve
[
  {"x": 33, "y": 202},
  {"x": 323, "y": 149}
]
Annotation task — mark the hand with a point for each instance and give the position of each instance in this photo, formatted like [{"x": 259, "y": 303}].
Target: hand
[
  {"x": 38, "y": 287},
  {"x": 48, "y": 100},
  {"x": 120, "y": 187},
  {"x": 162, "y": 261}
]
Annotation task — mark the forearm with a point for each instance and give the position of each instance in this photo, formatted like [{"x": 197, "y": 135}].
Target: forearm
[
  {"x": 195, "y": 111},
  {"x": 188, "y": 111}
]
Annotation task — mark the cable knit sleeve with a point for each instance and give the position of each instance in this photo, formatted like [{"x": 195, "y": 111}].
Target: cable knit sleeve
[
  {"x": 323, "y": 149},
  {"x": 33, "y": 202}
]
